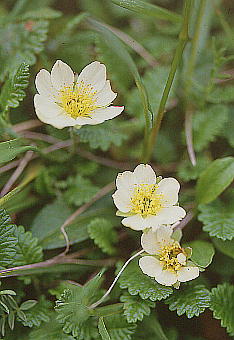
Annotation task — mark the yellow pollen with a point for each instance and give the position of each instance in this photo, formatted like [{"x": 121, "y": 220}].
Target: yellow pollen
[
  {"x": 168, "y": 256},
  {"x": 145, "y": 200},
  {"x": 78, "y": 100}
]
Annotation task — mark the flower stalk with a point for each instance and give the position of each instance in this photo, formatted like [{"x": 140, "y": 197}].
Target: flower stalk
[{"x": 183, "y": 39}]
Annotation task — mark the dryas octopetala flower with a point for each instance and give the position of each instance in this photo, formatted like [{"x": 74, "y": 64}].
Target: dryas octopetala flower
[
  {"x": 167, "y": 261},
  {"x": 145, "y": 202},
  {"x": 65, "y": 101}
]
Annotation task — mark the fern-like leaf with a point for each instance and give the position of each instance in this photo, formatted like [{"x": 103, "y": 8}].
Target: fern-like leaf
[{"x": 8, "y": 240}]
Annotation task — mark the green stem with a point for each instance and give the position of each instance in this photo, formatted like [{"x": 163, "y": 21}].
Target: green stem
[{"x": 183, "y": 39}]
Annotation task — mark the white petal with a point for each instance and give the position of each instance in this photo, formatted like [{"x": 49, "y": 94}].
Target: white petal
[
  {"x": 122, "y": 200},
  {"x": 150, "y": 266},
  {"x": 135, "y": 222},
  {"x": 169, "y": 187},
  {"x": 44, "y": 85},
  {"x": 94, "y": 74},
  {"x": 107, "y": 113},
  {"x": 166, "y": 278},
  {"x": 106, "y": 95},
  {"x": 149, "y": 242},
  {"x": 164, "y": 234},
  {"x": 170, "y": 215},
  {"x": 61, "y": 75},
  {"x": 50, "y": 113},
  {"x": 144, "y": 174},
  {"x": 125, "y": 180},
  {"x": 187, "y": 273}
]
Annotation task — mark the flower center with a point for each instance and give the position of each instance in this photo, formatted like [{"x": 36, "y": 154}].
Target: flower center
[
  {"x": 172, "y": 257},
  {"x": 78, "y": 100},
  {"x": 145, "y": 200}
]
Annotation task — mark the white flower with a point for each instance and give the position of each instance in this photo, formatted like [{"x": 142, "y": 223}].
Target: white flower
[
  {"x": 147, "y": 204},
  {"x": 167, "y": 262},
  {"x": 64, "y": 100}
]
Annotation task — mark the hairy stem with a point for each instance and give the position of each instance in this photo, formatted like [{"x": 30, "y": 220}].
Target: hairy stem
[{"x": 183, "y": 39}]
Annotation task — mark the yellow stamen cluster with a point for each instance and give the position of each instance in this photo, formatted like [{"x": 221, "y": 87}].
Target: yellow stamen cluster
[
  {"x": 78, "y": 100},
  {"x": 168, "y": 257},
  {"x": 145, "y": 200}
]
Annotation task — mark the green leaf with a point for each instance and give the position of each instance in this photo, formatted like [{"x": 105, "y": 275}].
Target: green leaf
[
  {"x": 72, "y": 307},
  {"x": 222, "y": 305},
  {"x": 118, "y": 328},
  {"x": 188, "y": 172},
  {"x": 226, "y": 247},
  {"x": 135, "y": 308},
  {"x": 101, "y": 136},
  {"x": 208, "y": 124},
  {"x": 215, "y": 179},
  {"x": 138, "y": 283},
  {"x": 8, "y": 240},
  {"x": 24, "y": 49},
  {"x": 10, "y": 149},
  {"x": 43, "y": 13},
  {"x": 28, "y": 304},
  {"x": 103, "y": 234},
  {"x": 222, "y": 94},
  {"x": 27, "y": 249},
  {"x": 148, "y": 9},
  {"x": 202, "y": 253},
  {"x": 102, "y": 330},
  {"x": 13, "y": 90},
  {"x": 37, "y": 314},
  {"x": 217, "y": 219},
  {"x": 190, "y": 300}
]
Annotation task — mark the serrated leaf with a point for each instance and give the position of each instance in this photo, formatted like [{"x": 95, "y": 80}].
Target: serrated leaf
[
  {"x": 10, "y": 149},
  {"x": 222, "y": 305},
  {"x": 148, "y": 9},
  {"x": 118, "y": 328},
  {"x": 202, "y": 253},
  {"x": 188, "y": 172},
  {"x": 27, "y": 249},
  {"x": 208, "y": 124},
  {"x": 103, "y": 234},
  {"x": 222, "y": 94},
  {"x": 101, "y": 136},
  {"x": 135, "y": 308},
  {"x": 215, "y": 179},
  {"x": 37, "y": 314},
  {"x": 8, "y": 240},
  {"x": 138, "y": 283},
  {"x": 190, "y": 300},
  {"x": 217, "y": 219},
  {"x": 13, "y": 90}
]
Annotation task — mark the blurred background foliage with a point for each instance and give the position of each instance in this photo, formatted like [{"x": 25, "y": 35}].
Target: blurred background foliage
[{"x": 39, "y": 33}]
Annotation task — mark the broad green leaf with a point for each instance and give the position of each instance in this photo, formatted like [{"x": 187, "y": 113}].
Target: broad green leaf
[
  {"x": 148, "y": 9},
  {"x": 202, "y": 253},
  {"x": 138, "y": 283},
  {"x": 8, "y": 240},
  {"x": 10, "y": 149},
  {"x": 103, "y": 234},
  {"x": 217, "y": 219},
  {"x": 47, "y": 223},
  {"x": 135, "y": 308},
  {"x": 215, "y": 179},
  {"x": 226, "y": 247},
  {"x": 222, "y": 305},
  {"x": 102, "y": 330},
  {"x": 13, "y": 90},
  {"x": 208, "y": 124},
  {"x": 190, "y": 300}
]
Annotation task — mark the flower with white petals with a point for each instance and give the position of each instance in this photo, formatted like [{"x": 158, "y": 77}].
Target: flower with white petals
[
  {"x": 167, "y": 261},
  {"x": 145, "y": 202},
  {"x": 65, "y": 101}
]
